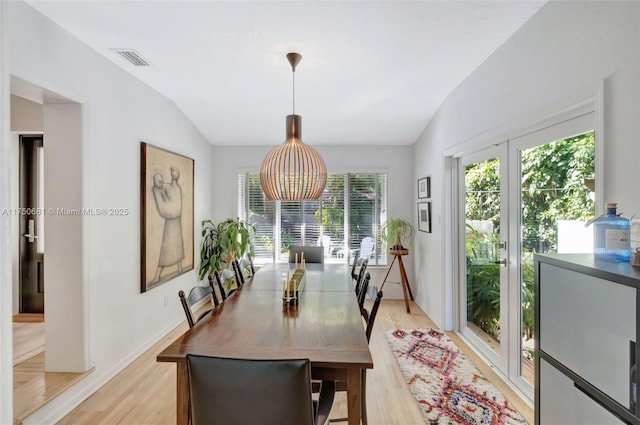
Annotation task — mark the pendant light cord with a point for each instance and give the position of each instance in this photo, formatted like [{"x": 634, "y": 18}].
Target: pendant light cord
[{"x": 293, "y": 73}]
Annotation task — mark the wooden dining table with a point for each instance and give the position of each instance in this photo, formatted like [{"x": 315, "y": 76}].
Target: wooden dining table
[{"x": 325, "y": 327}]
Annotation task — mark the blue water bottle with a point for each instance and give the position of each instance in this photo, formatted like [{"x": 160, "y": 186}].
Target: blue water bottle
[{"x": 611, "y": 236}]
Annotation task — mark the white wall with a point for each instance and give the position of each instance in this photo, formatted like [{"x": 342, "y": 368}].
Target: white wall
[
  {"x": 26, "y": 115},
  {"x": 396, "y": 161},
  {"x": 559, "y": 57},
  {"x": 6, "y": 332},
  {"x": 118, "y": 112},
  {"x": 65, "y": 294}
]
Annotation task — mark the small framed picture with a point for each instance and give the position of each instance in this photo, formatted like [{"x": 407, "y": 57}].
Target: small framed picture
[
  {"x": 424, "y": 187},
  {"x": 424, "y": 217}
]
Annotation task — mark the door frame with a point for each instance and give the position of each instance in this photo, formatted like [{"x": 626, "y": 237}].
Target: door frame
[
  {"x": 578, "y": 105},
  {"x": 64, "y": 115},
  {"x": 498, "y": 359},
  {"x": 6, "y": 244},
  {"x": 581, "y": 122}
]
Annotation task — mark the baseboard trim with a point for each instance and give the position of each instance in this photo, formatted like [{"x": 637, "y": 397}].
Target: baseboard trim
[{"x": 60, "y": 406}]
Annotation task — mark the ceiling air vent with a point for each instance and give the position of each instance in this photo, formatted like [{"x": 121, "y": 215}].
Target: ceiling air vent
[{"x": 132, "y": 56}]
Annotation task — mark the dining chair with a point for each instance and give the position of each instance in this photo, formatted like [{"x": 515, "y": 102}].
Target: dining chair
[
  {"x": 361, "y": 291},
  {"x": 369, "y": 317},
  {"x": 196, "y": 294},
  {"x": 244, "y": 269},
  {"x": 363, "y": 263},
  {"x": 361, "y": 274},
  {"x": 226, "y": 280},
  {"x": 237, "y": 275},
  {"x": 354, "y": 275},
  {"x": 312, "y": 254},
  {"x": 274, "y": 392},
  {"x": 214, "y": 295}
]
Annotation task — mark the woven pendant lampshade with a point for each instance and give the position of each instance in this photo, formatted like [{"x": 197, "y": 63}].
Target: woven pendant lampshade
[{"x": 293, "y": 171}]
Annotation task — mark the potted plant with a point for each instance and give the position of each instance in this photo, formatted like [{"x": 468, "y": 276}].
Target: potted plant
[
  {"x": 397, "y": 231},
  {"x": 222, "y": 243}
]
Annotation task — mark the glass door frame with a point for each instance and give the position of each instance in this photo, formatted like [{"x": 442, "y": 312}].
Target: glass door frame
[
  {"x": 497, "y": 359},
  {"x": 580, "y": 124},
  {"x": 563, "y": 124}
]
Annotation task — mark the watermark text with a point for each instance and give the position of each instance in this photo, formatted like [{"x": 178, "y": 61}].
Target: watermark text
[{"x": 64, "y": 211}]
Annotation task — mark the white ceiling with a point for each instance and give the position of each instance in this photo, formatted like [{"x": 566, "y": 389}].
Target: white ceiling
[{"x": 372, "y": 72}]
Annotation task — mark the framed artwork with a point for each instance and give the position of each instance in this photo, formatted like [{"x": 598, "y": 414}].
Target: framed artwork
[
  {"x": 166, "y": 215},
  {"x": 424, "y": 216},
  {"x": 424, "y": 187}
]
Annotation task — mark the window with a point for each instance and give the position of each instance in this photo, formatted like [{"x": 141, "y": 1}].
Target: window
[{"x": 353, "y": 207}]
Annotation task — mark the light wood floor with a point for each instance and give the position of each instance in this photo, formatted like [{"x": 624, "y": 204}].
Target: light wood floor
[
  {"x": 28, "y": 340},
  {"x": 145, "y": 391},
  {"x": 32, "y": 386},
  {"x": 28, "y": 318}
]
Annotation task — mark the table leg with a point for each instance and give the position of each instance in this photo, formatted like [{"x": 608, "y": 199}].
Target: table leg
[
  {"x": 354, "y": 382},
  {"x": 182, "y": 396},
  {"x": 388, "y": 271},
  {"x": 403, "y": 271}
]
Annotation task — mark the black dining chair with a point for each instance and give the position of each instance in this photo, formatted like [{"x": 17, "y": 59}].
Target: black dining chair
[
  {"x": 196, "y": 294},
  {"x": 369, "y": 317},
  {"x": 244, "y": 269},
  {"x": 312, "y": 254},
  {"x": 361, "y": 290},
  {"x": 213, "y": 282},
  {"x": 356, "y": 261},
  {"x": 361, "y": 274},
  {"x": 274, "y": 392},
  {"x": 227, "y": 282}
]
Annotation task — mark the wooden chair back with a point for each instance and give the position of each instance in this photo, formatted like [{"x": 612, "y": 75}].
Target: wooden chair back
[
  {"x": 361, "y": 274},
  {"x": 244, "y": 269},
  {"x": 361, "y": 291},
  {"x": 196, "y": 294},
  {"x": 225, "y": 281},
  {"x": 354, "y": 275},
  {"x": 369, "y": 316},
  {"x": 214, "y": 295}
]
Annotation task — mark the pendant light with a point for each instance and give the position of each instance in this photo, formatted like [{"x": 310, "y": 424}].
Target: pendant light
[{"x": 293, "y": 171}]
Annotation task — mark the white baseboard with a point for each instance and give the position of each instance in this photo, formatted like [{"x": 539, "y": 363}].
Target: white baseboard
[{"x": 59, "y": 407}]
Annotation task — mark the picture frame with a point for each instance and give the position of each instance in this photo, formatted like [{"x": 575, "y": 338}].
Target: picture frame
[
  {"x": 424, "y": 187},
  {"x": 424, "y": 216},
  {"x": 166, "y": 215}
]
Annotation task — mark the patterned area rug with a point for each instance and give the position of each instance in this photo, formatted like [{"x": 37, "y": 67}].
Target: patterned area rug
[{"x": 449, "y": 389}]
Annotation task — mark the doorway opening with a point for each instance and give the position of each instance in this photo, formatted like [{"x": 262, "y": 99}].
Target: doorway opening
[
  {"x": 31, "y": 225},
  {"x": 51, "y": 164}
]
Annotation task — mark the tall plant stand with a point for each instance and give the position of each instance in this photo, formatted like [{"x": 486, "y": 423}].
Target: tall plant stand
[{"x": 406, "y": 289}]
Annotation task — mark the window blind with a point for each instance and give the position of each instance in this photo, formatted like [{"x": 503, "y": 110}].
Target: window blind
[{"x": 352, "y": 208}]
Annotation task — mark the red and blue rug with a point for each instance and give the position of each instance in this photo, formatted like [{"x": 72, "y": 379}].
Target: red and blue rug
[{"x": 449, "y": 389}]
